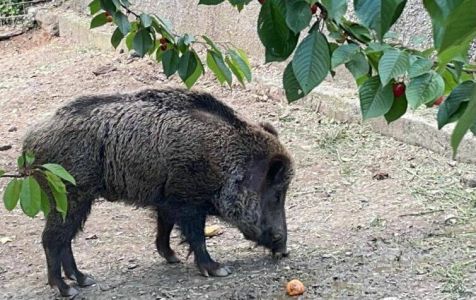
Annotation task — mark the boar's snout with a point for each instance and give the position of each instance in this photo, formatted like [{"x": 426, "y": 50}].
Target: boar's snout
[{"x": 275, "y": 241}]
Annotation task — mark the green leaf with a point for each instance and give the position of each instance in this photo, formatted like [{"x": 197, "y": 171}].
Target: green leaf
[
  {"x": 298, "y": 15},
  {"x": 291, "y": 85},
  {"x": 45, "y": 203},
  {"x": 185, "y": 41},
  {"x": 311, "y": 62},
  {"x": 12, "y": 194},
  {"x": 21, "y": 162},
  {"x": 2, "y": 172},
  {"x": 108, "y": 5},
  {"x": 146, "y": 20},
  {"x": 234, "y": 68},
  {"x": 239, "y": 4},
  {"x": 420, "y": 67},
  {"x": 343, "y": 54},
  {"x": 164, "y": 27},
  {"x": 335, "y": 8},
  {"x": 210, "y": 2},
  {"x": 212, "y": 45},
  {"x": 379, "y": 15},
  {"x": 424, "y": 88},
  {"x": 98, "y": 20},
  {"x": 122, "y": 22},
  {"x": 451, "y": 105},
  {"x": 190, "y": 68},
  {"x": 398, "y": 109},
  {"x": 142, "y": 42},
  {"x": 130, "y": 40},
  {"x": 217, "y": 66},
  {"x": 116, "y": 38},
  {"x": 94, "y": 7},
  {"x": 375, "y": 100},
  {"x": 358, "y": 66},
  {"x": 58, "y": 189},
  {"x": 273, "y": 32},
  {"x": 55, "y": 182},
  {"x": 61, "y": 202},
  {"x": 466, "y": 121},
  {"x": 29, "y": 158},
  {"x": 449, "y": 79},
  {"x": 459, "y": 30},
  {"x": 30, "y": 196},
  {"x": 170, "y": 62},
  {"x": 358, "y": 31},
  {"x": 240, "y": 60},
  {"x": 392, "y": 64},
  {"x": 59, "y": 171}
]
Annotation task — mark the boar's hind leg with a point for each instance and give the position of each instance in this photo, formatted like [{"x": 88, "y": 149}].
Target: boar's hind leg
[
  {"x": 164, "y": 228},
  {"x": 56, "y": 239},
  {"x": 192, "y": 227}
]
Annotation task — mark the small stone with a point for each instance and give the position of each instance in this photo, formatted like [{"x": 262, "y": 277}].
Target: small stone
[
  {"x": 104, "y": 70},
  {"x": 5, "y": 147},
  {"x": 12, "y": 129},
  {"x": 452, "y": 163},
  {"x": 451, "y": 220},
  {"x": 381, "y": 176},
  {"x": 469, "y": 180},
  {"x": 132, "y": 266},
  {"x": 348, "y": 253},
  {"x": 92, "y": 237}
]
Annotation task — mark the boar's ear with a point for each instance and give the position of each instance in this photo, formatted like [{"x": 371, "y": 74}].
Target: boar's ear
[
  {"x": 277, "y": 169},
  {"x": 269, "y": 128}
]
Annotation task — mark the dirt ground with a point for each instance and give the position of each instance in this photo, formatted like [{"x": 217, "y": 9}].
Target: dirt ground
[{"x": 410, "y": 236}]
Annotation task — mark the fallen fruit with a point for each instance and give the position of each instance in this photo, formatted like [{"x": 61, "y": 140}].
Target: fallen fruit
[
  {"x": 398, "y": 89},
  {"x": 314, "y": 9},
  {"x": 295, "y": 288},
  {"x": 439, "y": 101},
  {"x": 213, "y": 230}
]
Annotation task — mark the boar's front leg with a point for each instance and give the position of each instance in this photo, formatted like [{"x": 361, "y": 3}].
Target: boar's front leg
[{"x": 192, "y": 225}]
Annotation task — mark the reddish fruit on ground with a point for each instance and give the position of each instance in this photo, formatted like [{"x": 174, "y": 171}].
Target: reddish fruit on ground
[
  {"x": 163, "y": 41},
  {"x": 261, "y": 1},
  {"x": 439, "y": 101},
  {"x": 295, "y": 288},
  {"x": 398, "y": 89},
  {"x": 314, "y": 9},
  {"x": 163, "y": 47}
]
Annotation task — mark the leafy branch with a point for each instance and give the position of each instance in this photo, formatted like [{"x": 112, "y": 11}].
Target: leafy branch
[{"x": 26, "y": 188}]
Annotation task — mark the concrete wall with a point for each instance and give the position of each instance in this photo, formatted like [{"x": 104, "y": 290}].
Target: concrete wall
[{"x": 224, "y": 23}]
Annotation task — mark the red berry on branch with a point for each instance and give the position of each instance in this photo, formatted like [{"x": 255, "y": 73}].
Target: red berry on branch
[
  {"x": 261, "y": 1},
  {"x": 439, "y": 101},
  {"x": 163, "y": 47},
  {"x": 314, "y": 9},
  {"x": 398, "y": 89},
  {"x": 163, "y": 41}
]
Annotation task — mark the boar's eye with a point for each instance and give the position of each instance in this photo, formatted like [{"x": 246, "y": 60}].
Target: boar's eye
[{"x": 275, "y": 172}]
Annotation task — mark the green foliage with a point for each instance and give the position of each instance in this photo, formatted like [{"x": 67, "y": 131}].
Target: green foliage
[
  {"x": 25, "y": 187},
  {"x": 362, "y": 47}
]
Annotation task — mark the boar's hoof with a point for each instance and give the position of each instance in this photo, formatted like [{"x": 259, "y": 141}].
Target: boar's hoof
[
  {"x": 172, "y": 259},
  {"x": 86, "y": 281},
  {"x": 219, "y": 271},
  {"x": 69, "y": 292}
]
